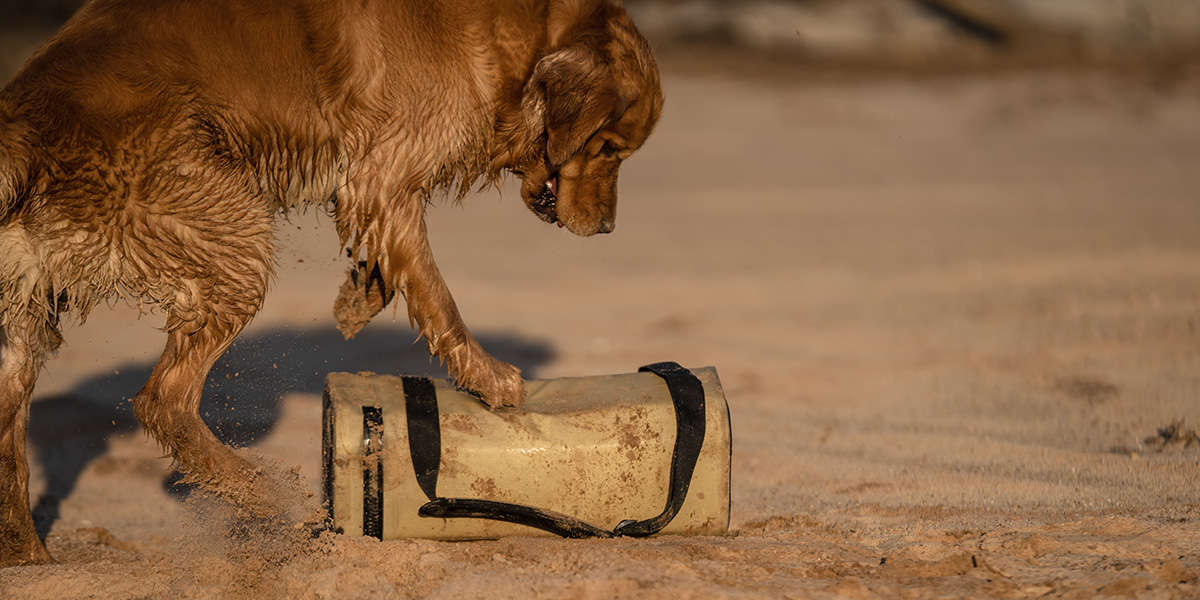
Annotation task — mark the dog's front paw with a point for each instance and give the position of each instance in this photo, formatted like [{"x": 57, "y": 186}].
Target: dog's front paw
[
  {"x": 361, "y": 297},
  {"x": 497, "y": 383}
]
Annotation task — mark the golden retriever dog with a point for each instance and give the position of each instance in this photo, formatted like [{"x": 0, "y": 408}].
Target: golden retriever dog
[{"x": 147, "y": 149}]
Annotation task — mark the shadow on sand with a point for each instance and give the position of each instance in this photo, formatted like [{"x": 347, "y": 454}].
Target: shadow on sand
[{"x": 241, "y": 399}]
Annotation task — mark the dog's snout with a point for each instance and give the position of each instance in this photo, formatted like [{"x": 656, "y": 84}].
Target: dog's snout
[{"x": 606, "y": 226}]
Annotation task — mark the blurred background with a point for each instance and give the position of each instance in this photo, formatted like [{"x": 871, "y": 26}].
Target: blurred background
[{"x": 922, "y": 34}]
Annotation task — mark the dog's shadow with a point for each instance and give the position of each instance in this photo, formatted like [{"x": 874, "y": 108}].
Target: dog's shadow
[{"x": 241, "y": 399}]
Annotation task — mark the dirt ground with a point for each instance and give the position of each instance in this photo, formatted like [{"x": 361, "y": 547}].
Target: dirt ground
[{"x": 951, "y": 316}]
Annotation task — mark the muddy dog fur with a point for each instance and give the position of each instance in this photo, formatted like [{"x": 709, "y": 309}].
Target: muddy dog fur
[{"x": 147, "y": 150}]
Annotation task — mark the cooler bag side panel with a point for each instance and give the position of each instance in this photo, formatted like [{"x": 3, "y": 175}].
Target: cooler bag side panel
[{"x": 706, "y": 509}]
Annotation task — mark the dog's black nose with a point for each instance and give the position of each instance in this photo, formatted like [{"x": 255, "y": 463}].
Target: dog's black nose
[{"x": 606, "y": 226}]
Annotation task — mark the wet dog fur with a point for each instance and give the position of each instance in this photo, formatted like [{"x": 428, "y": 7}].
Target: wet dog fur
[{"x": 148, "y": 148}]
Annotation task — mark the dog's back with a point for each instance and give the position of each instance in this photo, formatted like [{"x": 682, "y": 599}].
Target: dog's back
[
  {"x": 290, "y": 90},
  {"x": 137, "y": 75}
]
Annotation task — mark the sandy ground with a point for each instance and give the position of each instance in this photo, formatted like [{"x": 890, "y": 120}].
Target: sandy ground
[{"x": 948, "y": 314}]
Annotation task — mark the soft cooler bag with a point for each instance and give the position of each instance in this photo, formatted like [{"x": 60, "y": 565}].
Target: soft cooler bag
[{"x": 617, "y": 455}]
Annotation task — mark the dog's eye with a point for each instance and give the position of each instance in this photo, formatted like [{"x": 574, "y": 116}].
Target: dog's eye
[{"x": 608, "y": 149}]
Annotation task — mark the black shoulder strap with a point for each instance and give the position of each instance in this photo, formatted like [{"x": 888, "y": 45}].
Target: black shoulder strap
[
  {"x": 556, "y": 523},
  {"x": 424, "y": 440}
]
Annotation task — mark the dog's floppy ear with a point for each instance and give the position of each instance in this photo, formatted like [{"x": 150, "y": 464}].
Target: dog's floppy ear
[{"x": 572, "y": 93}]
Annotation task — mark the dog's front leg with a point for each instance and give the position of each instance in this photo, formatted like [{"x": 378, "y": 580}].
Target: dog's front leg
[{"x": 406, "y": 263}]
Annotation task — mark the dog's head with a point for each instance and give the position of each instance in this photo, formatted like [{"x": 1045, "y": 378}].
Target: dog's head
[{"x": 596, "y": 97}]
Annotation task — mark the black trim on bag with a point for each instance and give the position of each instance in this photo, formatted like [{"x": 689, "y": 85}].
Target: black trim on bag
[
  {"x": 424, "y": 439},
  {"x": 729, "y": 479},
  {"x": 327, "y": 425},
  {"x": 372, "y": 477}
]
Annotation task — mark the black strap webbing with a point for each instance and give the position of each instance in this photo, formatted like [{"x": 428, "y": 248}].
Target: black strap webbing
[
  {"x": 424, "y": 432},
  {"x": 556, "y": 523},
  {"x": 687, "y": 393},
  {"x": 372, "y": 471},
  {"x": 424, "y": 442}
]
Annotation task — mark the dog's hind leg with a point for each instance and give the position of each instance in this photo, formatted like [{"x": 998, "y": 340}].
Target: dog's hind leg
[
  {"x": 168, "y": 407},
  {"x": 221, "y": 281},
  {"x": 20, "y": 358}
]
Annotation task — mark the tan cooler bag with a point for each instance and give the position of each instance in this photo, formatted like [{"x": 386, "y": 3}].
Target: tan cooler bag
[{"x": 617, "y": 455}]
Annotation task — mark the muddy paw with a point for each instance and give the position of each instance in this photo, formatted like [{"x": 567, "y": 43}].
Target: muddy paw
[
  {"x": 499, "y": 385},
  {"x": 360, "y": 298}
]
